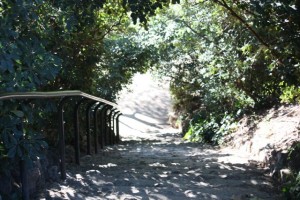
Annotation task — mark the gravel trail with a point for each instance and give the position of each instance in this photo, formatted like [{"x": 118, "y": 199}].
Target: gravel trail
[
  {"x": 153, "y": 162},
  {"x": 162, "y": 168}
]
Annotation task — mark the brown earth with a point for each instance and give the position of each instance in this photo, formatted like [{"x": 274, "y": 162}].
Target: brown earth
[{"x": 268, "y": 137}]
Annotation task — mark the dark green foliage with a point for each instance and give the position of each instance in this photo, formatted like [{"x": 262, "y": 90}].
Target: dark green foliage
[
  {"x": 56, "y": 45},
  {"x": 142, "y": 10},
  {"x": 25, "y": 63},
  {"x": 226, "y": 58},
  {"x": 291, "y": 189},
  {"x": 210, "y": 129},
  {"x": 122, "y": 58}
]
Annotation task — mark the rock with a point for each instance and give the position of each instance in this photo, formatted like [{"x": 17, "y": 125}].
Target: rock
[
  {"x": 52, "y": 196},
  {"x": 263, "y": 156},
  {"x": 78, "y": 177},
  {"x": 128, "y": 198},
  {"x": 198, "y": 178},
  {"x": 285, "y": 175}
]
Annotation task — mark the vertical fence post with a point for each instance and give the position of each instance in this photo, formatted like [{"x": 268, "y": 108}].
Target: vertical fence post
[
  {"x": 111, "y": 121},
  {"x": 76, "y": 131},
  {"x": 62, "y": 137},
  {"x": 101, "y": 135},
  {"x": 96, "y": 128},
  {"x": 117, "y": 127},
  {"x": 24, "y": 171},
  {"x": 114, "y": 126},
  {"x": 88, "y": 127},
  {"x": 110, "y": 134},
  {"x": 103, "y": 125}
]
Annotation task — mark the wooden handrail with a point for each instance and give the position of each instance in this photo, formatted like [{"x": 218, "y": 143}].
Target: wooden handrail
[{"x": 44, "y": 95}]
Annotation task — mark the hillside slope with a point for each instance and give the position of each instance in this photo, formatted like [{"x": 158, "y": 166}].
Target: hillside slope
[{"x": 266, "y": 138}]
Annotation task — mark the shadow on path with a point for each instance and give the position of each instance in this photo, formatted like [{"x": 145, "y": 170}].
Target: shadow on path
[
  {"x": 145, "y": 107},
  {"x": 162, "y": 169},
  {"x": 153, "y": 162}
]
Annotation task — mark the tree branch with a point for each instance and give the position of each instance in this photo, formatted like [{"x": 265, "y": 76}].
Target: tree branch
[
  {"x": 234, "y": 14},
  {"x": 112, "y": 26},
  {"x": 256, "y": 35}
]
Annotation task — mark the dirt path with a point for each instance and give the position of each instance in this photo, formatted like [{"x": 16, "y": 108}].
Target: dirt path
[
  {"x": 153, "y": 162},
  {"x": 145, "y": 105},
  {"x": 164, "y": 168}
]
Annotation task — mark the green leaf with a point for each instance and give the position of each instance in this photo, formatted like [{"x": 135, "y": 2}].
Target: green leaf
[
  {"x": 12, "y": 152},
  {"x": 18, "y": 113},
  {"x": 7, "y": 65}
]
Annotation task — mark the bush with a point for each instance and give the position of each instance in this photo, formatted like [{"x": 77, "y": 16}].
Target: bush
[
  {"x": 210, "y": 129},
  {"x": 290, "y": 94},
  {"x": 291, "y": 189}
]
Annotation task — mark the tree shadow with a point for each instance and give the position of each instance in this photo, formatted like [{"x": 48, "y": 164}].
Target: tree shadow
[{"x": 156, "y": 170}]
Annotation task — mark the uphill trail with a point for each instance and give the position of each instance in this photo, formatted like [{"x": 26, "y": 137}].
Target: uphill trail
[{"x": 153, "y": 162}]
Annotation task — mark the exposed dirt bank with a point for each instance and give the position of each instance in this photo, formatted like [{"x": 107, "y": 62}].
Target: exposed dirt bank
[{"x": 266, "y": 138}]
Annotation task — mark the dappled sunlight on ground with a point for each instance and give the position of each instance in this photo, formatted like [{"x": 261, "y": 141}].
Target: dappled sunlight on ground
[
  {"x": 167, "y": 169},
  {"x": 153, "y": 162},
  {"x": 234, "y": 156},
  {"x": 145, "y": 107}
]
